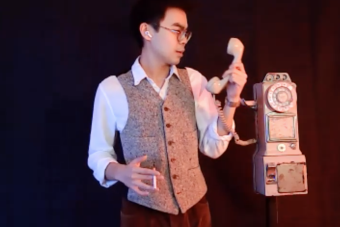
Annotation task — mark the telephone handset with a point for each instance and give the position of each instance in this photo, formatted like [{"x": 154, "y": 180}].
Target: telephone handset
[
  {"x": 235, "y": 48},
  {"x": 216, "y": 85}
]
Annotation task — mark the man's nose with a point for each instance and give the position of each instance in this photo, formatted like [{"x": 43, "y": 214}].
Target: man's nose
[{"x": 184, "y": 41}]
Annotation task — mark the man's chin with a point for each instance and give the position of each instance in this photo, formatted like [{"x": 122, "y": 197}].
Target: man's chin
[{"x": 175, "y": 61}]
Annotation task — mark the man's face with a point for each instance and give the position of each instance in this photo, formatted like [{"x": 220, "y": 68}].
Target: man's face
[{"x": 165, "y": 43}]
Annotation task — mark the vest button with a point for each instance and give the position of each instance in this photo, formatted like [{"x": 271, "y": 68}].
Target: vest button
[
  {"x": 168, "y": 125},
  {"x": 173, "y": 159},
  {"x": 170, "y": 143},
  {"x": 175, "y": 176},
  {"x": 166, "y": 108}
]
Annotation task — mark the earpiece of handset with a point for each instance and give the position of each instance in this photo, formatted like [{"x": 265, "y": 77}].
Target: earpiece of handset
[{"x": 235, "y": 48}]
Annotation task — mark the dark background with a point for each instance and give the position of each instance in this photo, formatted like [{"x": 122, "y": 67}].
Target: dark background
[{"x": 54, "y": 54}]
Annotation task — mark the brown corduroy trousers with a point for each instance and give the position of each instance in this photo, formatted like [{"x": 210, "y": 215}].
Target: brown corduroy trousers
[{"x": 135, "y": 215}]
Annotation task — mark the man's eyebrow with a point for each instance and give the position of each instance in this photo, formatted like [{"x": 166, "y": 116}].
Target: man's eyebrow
[{"x": 179, "y": 25}]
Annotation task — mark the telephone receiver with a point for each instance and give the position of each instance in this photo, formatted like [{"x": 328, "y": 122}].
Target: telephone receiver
[{"x": 235, "y": 48}]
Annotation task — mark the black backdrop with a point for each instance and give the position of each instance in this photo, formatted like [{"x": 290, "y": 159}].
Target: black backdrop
[{"x": 54, "y": 54}]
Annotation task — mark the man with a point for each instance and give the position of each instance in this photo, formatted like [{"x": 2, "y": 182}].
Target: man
[{"x": 164, "y": 116}]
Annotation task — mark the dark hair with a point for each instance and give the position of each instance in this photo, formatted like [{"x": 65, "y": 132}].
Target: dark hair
[{"x": 152, "y": 12}]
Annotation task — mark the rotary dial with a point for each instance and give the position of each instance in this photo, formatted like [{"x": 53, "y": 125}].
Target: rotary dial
[{"x": 281, "y": 96}]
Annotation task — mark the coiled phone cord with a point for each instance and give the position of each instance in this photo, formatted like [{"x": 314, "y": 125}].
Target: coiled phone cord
[{"x": 235, "y": 135}]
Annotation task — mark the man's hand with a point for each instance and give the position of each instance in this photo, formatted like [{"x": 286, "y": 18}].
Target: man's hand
[
  {"x": 132, "y": 175},
  {"x": 237, "y": 80}
]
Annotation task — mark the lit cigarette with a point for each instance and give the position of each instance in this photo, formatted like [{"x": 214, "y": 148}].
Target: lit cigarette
[{"x": 154, "y": 182}]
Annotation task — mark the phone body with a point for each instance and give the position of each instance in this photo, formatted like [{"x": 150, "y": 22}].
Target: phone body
[{"x": 279, "y": 167}]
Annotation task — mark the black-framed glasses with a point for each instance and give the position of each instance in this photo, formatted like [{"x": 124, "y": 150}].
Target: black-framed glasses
[{"x": 180, "y": 34}]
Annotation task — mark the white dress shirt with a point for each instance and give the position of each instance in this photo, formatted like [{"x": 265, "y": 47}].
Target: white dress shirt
[{"x": 110, "y": 114}]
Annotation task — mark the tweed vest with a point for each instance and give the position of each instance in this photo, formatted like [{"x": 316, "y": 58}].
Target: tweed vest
[{"x": 166, "y": 132}]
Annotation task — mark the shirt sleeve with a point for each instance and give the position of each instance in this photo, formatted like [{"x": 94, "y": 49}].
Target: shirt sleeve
[
  {"x": 102, "y": 136},
  {"x": 210, "y": 142}
]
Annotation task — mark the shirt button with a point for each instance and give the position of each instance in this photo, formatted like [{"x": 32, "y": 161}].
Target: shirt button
[
  {"x": 168, "y": 125},
  {"x": 166, "y": 108}
]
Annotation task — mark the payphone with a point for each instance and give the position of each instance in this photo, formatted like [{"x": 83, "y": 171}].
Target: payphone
[{"x": 279, "y": 167}]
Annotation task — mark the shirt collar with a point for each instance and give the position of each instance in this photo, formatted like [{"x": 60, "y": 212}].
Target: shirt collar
[{"x": 139, "y": 73}]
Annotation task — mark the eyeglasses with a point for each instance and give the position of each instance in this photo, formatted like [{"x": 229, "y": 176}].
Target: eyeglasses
[{"x": 180, "y": 34}]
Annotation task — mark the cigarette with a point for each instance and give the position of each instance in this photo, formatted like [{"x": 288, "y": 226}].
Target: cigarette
[{"x": 154, "y": 182}]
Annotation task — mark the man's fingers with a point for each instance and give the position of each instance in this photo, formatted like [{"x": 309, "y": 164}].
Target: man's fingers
[
  {"x": 238, "y": 73},
  {"x": 238, "y": 80},
  {"x": 237, "y": 76},
  {"x": 146, "y": 171},
  {"x": 238, "y": 66},
  {"x": 138, "y": 160},
  {"x": 144, "y": 186},
  {"x": 137, "y": 176},
  {"x": 136, "y": 189},
  {"x": 233, "y": 73}
]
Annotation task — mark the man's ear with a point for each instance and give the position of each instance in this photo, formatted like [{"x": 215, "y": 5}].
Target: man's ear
[{"x": 144, "y": 29}]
